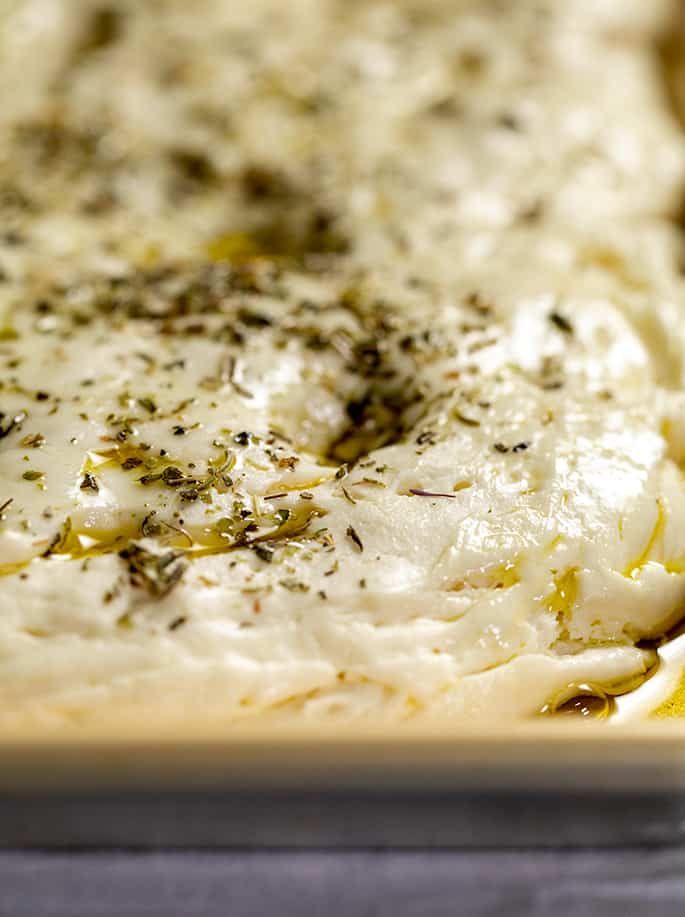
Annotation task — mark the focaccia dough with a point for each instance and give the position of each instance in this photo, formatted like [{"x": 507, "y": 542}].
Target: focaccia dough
[{"x": 341, "y": 354}]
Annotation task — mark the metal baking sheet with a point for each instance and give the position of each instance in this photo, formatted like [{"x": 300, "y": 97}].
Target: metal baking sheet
[{"x": 297, "y": 818}]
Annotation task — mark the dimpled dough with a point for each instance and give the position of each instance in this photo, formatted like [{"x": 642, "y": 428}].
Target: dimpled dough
[{"x": 342, "y": 357}]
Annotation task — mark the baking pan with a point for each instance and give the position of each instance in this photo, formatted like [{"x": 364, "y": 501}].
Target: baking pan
[{"x": 544, "y": 783}]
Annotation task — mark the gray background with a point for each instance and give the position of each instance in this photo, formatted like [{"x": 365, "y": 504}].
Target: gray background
[{"x": 529, "y": 883}]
